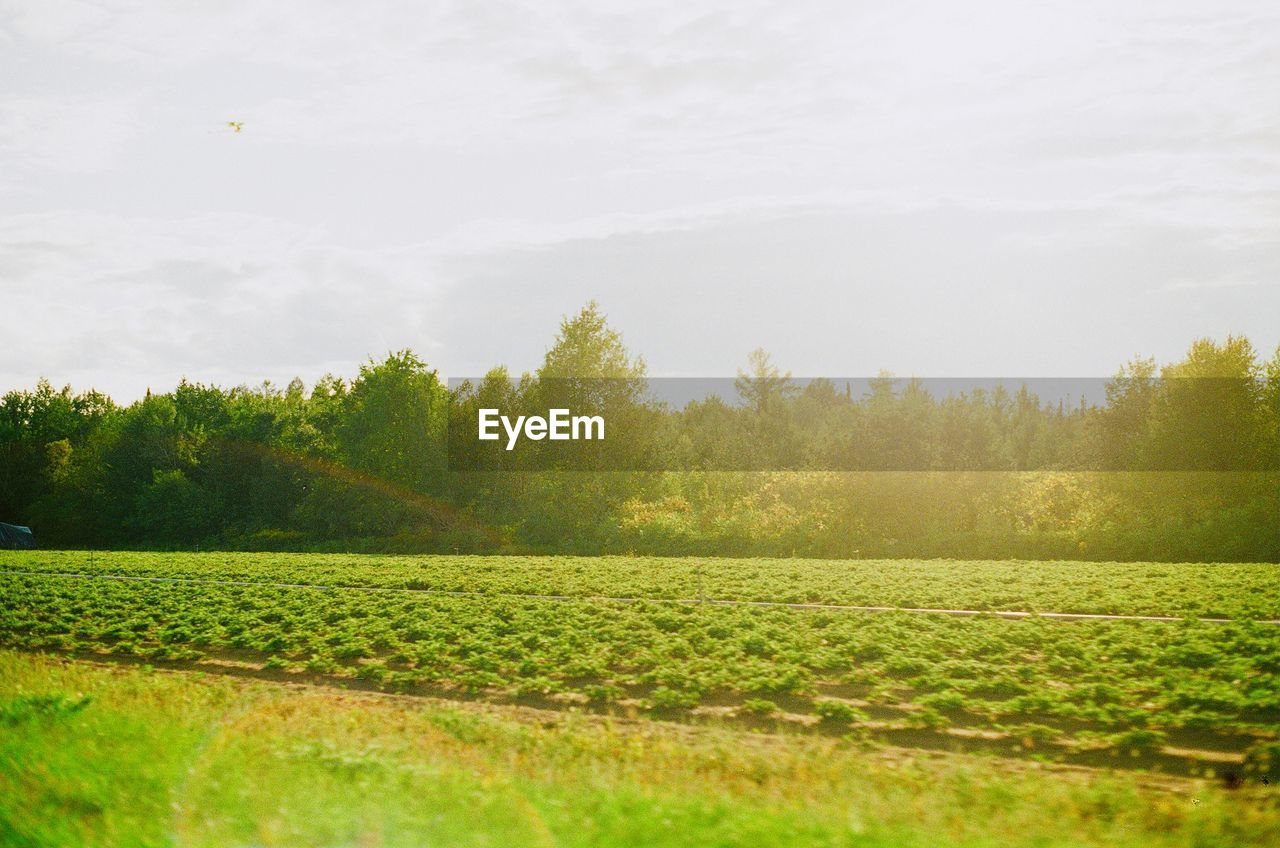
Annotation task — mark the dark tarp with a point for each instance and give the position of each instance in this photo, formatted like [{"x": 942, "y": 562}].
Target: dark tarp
[{"x": 13, "y": 536}]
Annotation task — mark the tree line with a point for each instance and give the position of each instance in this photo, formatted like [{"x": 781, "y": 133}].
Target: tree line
[{"x": 1177, "y": 462}]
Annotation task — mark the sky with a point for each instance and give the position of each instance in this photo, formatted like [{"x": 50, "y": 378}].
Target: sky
[{"x": 929, "y": 188}]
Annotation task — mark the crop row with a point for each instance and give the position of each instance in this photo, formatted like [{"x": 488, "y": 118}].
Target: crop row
[
  {"x": 1104, "y": 676},
  {"x": 1228, "y": 590}
]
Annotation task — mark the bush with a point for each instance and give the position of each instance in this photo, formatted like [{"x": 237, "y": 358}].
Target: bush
[
  {"x": 949, "y": 700},
  {"x": 1035, "y": 735},
  {"x": 1138, "y": 742},
  {"x": 838, "y": 712},
  {"x": 602, "y": 693},
  {"x": 664, "y": 698},
  {"x": 1262, "y": 761},
  {"x": 928, "y": 718},
  {"x": 760, "y": 706},
  {"x": 320, "y": 664},
  {"x": 373, "y": 672}
]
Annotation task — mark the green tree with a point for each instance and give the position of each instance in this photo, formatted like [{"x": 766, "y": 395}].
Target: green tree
[
  {"x": 393, "y": 423},
  {"x": 1124, "y": 425},
  {"x": 589, "y": 371},
  {"x": 763, "y": 386},
  {"x": 1209, "y": 413}
]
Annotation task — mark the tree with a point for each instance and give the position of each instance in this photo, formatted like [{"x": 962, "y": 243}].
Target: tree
[
  {"x": 762, "y": 386},
  {"x": 1125, "y": 423},
  {"x": 30, "y": 420},
  {"x": 589, "y": 371},
  {"x": 393, "y": 423},
  {"x": 588, "y": 368},
  {"x": 767, "y": 416},
  {"x": 1271, "y": 411},
  {"x": 1208, "y": 412},
  {"x": 587, "y": 347}
]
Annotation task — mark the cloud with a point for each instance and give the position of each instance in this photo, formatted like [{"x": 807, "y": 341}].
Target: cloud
[
  {"x": 141, "y": 302},
  {"x": 911, "y": 185},
  {"x": 75, "y": 134},
  {"x": 937, "y": 290},
  {"x": 1209, "y": 283}
]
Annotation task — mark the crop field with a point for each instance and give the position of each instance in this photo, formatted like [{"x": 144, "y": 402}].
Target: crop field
[
  {"x": 1186, "y": 696},
  {"x": 1240, "y": 591}
]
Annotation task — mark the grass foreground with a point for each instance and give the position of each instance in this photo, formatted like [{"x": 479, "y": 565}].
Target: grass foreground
[{"x": 99, "y": 755}]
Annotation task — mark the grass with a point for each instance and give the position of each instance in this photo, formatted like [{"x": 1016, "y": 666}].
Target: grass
[{"x": 91, "y": 755}]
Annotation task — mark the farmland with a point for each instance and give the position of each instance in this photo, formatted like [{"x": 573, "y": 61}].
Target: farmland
[
  {"x": 1242, "y": 591},
  {"x": 1183, "y": 696}
]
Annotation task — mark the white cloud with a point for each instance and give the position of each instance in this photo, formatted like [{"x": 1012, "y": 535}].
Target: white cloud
[
  {"x": 75, "y": 134},
  {"x": 397, "y": 159},
  {"x": 143, "y": 302}
]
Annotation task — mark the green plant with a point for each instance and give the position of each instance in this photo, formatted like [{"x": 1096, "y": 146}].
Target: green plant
[
  {"x": 1262, "y": 761},
  {"x": 663, "y": 698},
  {"x": 1140, "y": 741},
  {"x": 760, "y": 706},
  {"x": 837, "y": 712}
]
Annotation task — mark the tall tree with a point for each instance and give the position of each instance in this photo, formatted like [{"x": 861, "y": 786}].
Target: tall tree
[
  {"x": 1209, "y": 410},
  {"x": 393, "y": 423}
]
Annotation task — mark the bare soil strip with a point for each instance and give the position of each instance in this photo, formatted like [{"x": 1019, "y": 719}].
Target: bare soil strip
[{"x": 724, "y": 602}]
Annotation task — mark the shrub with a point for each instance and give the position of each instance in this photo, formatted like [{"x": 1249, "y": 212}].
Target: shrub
[
  {"x": 663, "y": 698},
  {"x": 760, "y": 706},
  {"x": 950, "y": 700},
  {"x": 320, "y": 664},
  {"x": 1262, "y": 761},
  {"x": 837, "y": 712},
  {"x": 1035, "y": 735},
  {"x": 602, "y": 694},
  {"x": 374, "y": 672},
  {"x": 929, "y": 718},
  {"x": 1140, "y": 741}
]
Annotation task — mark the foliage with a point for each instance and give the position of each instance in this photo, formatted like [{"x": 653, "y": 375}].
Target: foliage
[
  {"x": 1262, "y": 761},
  {"x": 1181, "y": 462}
]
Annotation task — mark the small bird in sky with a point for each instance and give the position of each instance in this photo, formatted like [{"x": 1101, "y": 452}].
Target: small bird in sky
[{"x": 236, "y": 125}]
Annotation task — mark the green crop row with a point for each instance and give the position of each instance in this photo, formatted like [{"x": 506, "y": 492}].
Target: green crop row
[
  {"x": 1227, "y": 590},
  {"x": 927, "y": 670}
]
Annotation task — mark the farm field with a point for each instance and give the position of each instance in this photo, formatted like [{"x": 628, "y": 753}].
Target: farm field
[
  {"x": 1227, "y": 590},
  {"x": 1186, "y": 697},
  {"x": 205, "y": 760}
]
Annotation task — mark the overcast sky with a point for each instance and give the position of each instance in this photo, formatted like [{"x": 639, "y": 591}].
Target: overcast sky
[{"x": 942, "y": 189}]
